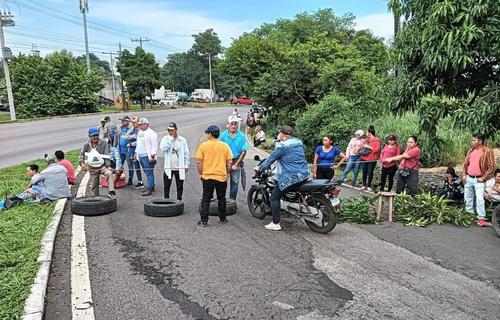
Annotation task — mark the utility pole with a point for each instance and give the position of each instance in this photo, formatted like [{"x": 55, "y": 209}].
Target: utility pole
[
  {"x": 112, "y": 73},
  {"x": 7, "y": 21},
  {"x": 210, "y": 76},
  {"x": 140, "y": 40},
  {"x": 121, "y": 78},
  {"x": 34, "y": 51},
  {"x": 84, "y": 8}
]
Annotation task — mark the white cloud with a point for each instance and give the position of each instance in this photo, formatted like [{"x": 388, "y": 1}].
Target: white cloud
[
  {"x": 166, "y": 24},
  {"x": 380, "y": 24}
]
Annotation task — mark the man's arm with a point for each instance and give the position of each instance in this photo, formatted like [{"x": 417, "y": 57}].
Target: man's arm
[
  {"x": 199, "y": 164},
  {"x": 275, "y": 155}
]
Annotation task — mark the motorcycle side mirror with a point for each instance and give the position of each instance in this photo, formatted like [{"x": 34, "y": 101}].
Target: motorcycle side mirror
[{"x": 256, "y": 158}]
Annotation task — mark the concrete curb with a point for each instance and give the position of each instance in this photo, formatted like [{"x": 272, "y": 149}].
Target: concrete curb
[{"x": 35, "y": 304}]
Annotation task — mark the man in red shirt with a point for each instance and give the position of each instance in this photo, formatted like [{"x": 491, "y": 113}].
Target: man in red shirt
[
  {"x": 68, "y": 165},
  {"x": 479, "y": 166}
]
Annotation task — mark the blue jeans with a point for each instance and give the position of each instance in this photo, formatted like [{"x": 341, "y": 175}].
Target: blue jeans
[
  {"x": 148, "y": 168},
  {"x": 474, "y": 189},
  {"x": 353, "y": 163},
  {"x": 133, "y": 165},
  {"x": 233, "y": 183}
]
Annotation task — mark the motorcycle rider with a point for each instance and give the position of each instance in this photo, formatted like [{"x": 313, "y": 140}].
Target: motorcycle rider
[{"x": 292, "y": 170}]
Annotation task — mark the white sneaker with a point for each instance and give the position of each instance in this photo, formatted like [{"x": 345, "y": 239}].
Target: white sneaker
[{"x": 273, "y": 226}]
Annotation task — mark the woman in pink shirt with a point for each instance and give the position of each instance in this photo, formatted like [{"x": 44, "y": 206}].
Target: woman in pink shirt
[
  {"x": 369, "y": 160},
  {"x": 391, "y": 149}
]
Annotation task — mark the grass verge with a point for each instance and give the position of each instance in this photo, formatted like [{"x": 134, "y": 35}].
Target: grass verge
[
  {"x": 4, "y": 117},
  {"x": 21, "y": 230}
]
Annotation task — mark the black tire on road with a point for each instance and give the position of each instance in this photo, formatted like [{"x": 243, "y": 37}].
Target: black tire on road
[
  {"x": 213, "y": 210},
  {"x": 329, "y": 214},
  {"x": 93, "y": 206},
  {"x": 163, "y": 207},
  {"x": 255, "y": 202},
  {"x": 495, "y": 220}
]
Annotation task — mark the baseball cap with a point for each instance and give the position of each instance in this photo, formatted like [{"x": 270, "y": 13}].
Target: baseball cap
[
  {"x": 93, "y": 132},
  {"x": 212, "y": 129},
  {"x": 287, "y": 130},
  {"x": 232, "y": 119},
  {"x": 360, "y": 132},
  {"x": 106, "y": 119},
  {"x": 143, "y": 121},
  {"x": 135, "y": 119},
  {"x": 125, "y": 118},
  {"x": 172, "y": 126}
]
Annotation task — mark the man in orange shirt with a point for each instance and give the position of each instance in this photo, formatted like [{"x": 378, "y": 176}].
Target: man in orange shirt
[
  {"x": 214, "y": 160},
  {"x": 479, "y": 166}
]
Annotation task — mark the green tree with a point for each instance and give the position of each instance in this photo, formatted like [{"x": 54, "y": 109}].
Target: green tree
[
  {"x": 449, "y": 50},
  {"x": 54, "y": 85},
  {"x": 141, "y": 73},
  {"x": 184, "y": 72},
  {"x": 207, "y": 42},
  {"x": 95, "y": 62}
]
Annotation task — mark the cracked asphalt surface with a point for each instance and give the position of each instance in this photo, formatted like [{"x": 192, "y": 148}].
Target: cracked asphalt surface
[{"x": 144, "y": 267}]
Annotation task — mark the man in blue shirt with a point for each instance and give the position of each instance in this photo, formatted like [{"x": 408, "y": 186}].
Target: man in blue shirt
[{"x": 237, "y": 142}]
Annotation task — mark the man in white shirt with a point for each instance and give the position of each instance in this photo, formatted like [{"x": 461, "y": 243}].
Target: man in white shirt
[
  {"x": 176, "y": 162},
  {"x": 145, "y": 152},
  {"x": 492, "y": 188}
]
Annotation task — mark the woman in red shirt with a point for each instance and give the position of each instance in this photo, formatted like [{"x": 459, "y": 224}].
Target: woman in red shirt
[
  {"x": 372, "y": 144},
  {"x": 391, "y": 149},
  {"x": 407, "y": 175}
]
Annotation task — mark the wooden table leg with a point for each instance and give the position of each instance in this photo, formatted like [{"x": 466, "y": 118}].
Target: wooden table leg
[
  {"x": 391, "y": 208},
  {"x": 379, "y": 208}
]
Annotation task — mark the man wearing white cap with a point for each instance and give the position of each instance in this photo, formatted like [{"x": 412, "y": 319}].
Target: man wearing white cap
[
  {"x": 147, "y": 146},
  {"x": 352, "y": 153}
]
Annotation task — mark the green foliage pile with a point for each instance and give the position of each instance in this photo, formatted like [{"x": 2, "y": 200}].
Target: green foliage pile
[
  {"x": 358, "y": 210},
  {"x": 53, "y": 85},
  {"x": 424, "y": 209}
]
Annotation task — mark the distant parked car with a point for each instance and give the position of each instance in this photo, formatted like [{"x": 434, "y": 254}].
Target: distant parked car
[
  {"x": 242, "y": 100},
  {"x": 4, "y": 107}
]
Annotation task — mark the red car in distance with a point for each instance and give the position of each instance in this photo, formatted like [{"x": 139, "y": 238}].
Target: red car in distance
[{"x": 242, "y": 100}]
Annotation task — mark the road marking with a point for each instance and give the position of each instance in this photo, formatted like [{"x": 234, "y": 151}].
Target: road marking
[{"x": 81, "y": 296}]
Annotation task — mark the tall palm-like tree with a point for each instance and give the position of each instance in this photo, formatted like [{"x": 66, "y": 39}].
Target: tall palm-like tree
[{"x": 395, "y": 7}]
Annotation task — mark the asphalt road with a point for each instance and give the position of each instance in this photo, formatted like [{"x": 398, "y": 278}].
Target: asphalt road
[
  {"x": 168, "y": 268},
  {"x": 30, "y": 140}
]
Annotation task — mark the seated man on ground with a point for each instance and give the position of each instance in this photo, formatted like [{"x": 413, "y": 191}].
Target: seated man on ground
[
  {"x": 68, "y": 165},
  {"x": 260, "y": 136},
  {"x": 34, "y": 190},
  {"x": 492, "y": 188}
]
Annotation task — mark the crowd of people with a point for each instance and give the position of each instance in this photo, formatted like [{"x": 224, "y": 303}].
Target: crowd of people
[{"x": 221, "y": 159}]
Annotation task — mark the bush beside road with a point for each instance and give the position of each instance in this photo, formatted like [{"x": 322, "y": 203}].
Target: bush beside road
[{"x": 21, "y": 230}]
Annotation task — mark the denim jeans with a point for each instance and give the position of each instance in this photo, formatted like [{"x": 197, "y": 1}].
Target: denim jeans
[
  {"x": 368, "y": 168},
  {"x": 234, "y": 180},
  {"x": 148, "y": 168},
  {"x": 133, "y": 165},
  {"x": 353, "y": 164},
  {"x": 474, "y": 189}
]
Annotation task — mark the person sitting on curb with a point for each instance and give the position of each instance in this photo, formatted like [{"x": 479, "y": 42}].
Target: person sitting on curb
[
  {"x": 68, "y": 165},
  {"x": 260, "y": 136},
  {"x": 94, "y": 158}
]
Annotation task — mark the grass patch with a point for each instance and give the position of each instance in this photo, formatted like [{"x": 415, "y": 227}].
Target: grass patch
[
  {"x": 4, "y": 117},
  {"x": 21, "y": 229}
]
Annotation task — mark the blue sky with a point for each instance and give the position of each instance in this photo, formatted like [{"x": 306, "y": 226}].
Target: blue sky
[{"x": 55, "y": 24}]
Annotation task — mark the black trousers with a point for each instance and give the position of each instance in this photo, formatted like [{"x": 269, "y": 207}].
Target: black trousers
[
  {"x": 388, "y": 172},
  {"x": 168, "y": 182},
  {"x": 410, "y": 182},
  {"x": 324, "y": 174},
  {"x": 368, "y": 168},
  {"x": 208, "y": 191}
]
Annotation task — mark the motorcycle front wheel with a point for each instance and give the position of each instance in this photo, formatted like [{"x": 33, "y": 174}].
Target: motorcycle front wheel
[
  {"x": 256, "y": 202},
  {"x": 329, "y": 214}
]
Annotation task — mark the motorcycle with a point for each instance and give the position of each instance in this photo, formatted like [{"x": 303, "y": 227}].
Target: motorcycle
[{"x": 315, "y": 202}]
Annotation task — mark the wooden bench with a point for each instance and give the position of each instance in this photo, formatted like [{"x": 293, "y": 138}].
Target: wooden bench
[{"x": 388, "y": 198}]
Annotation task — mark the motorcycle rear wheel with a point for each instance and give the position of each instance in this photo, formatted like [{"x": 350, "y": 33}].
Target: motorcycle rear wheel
[
  {"x": 255, "y": 201},
  {"x": 329, "y": 215}
]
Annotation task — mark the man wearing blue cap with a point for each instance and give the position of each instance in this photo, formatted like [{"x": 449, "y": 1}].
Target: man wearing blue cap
[
  {"x": 94, "y": 157},
  {"x": 214, "y": 159}
]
